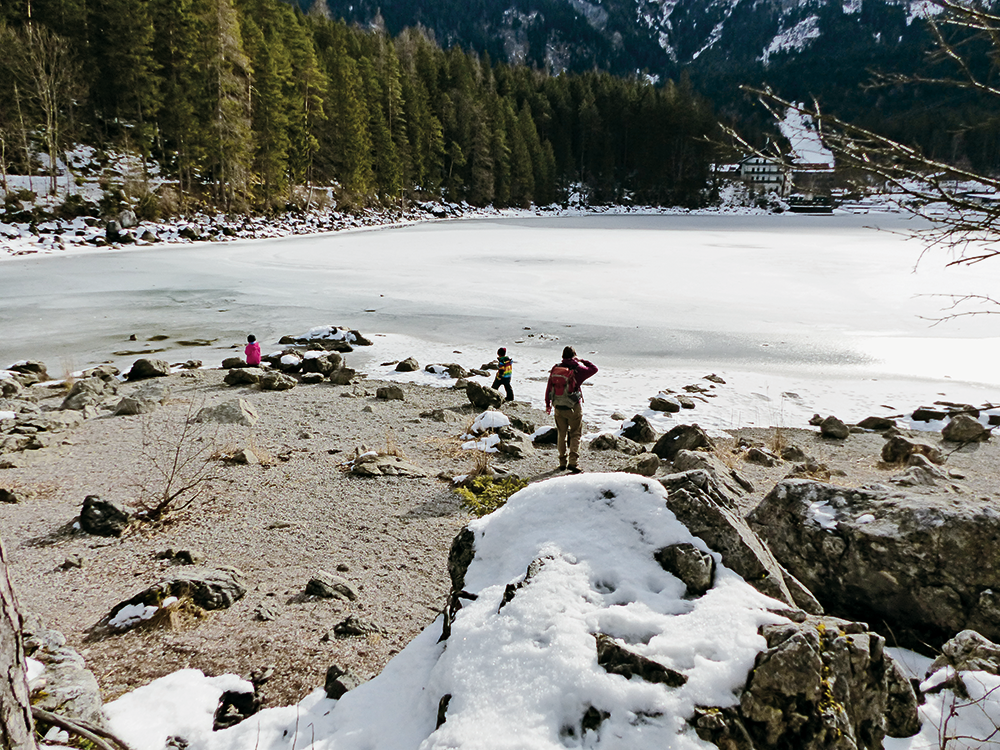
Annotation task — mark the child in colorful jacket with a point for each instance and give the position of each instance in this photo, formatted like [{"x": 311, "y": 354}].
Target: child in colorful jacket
[
  {"x": 505, "y": 368},
  {"x": 252, "y": 351}
]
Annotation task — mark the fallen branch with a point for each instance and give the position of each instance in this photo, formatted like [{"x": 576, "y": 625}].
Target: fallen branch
[{"x": 102, "y": 738}]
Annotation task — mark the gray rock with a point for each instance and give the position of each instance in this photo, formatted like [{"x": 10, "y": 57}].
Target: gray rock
[
  {"x": 968, "y": 652},
  {"x": 88, "y": 392},
  {"x": 878, "y": 424},
  {"x": 389, "y": 393},
  {"x": 901, "y": 560},
  {"x": 354, "y": 626},
  {"x": 237, "y": 411},
  {"x": 324, "y": 364},
  {"x": 616, "y": 659},
  {"x": 793, "y": 453},
  {"x": 647, "y": 465},
  {"x": 33, "y": 371},
  {"x": 682, "y": 437},
  {"x": 408, "y": 365},
  {"x": 339, "y": 682},
  {"x": 640, "y": 430},
  {"x": 277, "y": 381},
  {"x": 483, "y": 397},
  {"x": 832, "y": 427},
  {"x": 103, "y": 517},
  {"x": 761, "y": 456},
  {"x": 10, "y": 388},
  {"x": 546, "y": 436},
  {"x": 734, "y": 482},
  {"x": 243, "y": 376},
  {"x": 665, "y": 404},
  {"x": 964, "y": 429},
  {"x": 819, "y": 684},
  {"x": 386, "y": 466},
  {"x": 148, "y": 368},
  {"x": 709, "y": 512},
  {"x": 342, "y": 376},
  {"x": 234, "y": 363},
  {"x": 207, "y": 588},
  {"x": 9, "y": 496},
  {"x": 130, "y": 406},
  {"x": 695, "y": 568},
  {"x": 330, "y": 586},
  {"x": 610, "y": 441},
  {"x": 66, "y": 687},
  {"x": 898, "y": 449}
]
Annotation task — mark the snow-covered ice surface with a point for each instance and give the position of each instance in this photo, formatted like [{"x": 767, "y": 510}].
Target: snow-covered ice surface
[{"x": 799, "y": 314}]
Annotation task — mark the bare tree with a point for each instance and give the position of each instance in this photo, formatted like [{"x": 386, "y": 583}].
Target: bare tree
[
  {"x": 16, "y": 727},
  {"x": 45, "y": 66}
]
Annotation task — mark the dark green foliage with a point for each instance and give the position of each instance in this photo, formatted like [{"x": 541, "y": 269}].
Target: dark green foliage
[{"x": 244, "y": 102}]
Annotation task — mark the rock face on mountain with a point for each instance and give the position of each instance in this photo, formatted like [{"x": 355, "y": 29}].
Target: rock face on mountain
[{"x": 922, "y": 566}]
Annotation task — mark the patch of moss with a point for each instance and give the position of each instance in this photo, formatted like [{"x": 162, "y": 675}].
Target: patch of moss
[{"x": 483, "y": 494}]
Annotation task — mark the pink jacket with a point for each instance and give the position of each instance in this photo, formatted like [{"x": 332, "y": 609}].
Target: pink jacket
[{"x": 253, "y": 353}]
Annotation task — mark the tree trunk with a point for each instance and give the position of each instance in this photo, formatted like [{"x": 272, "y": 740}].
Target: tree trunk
[{"x": 16, "y": 727}]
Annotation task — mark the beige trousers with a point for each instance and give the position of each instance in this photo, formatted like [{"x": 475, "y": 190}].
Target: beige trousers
[{"x": 569, "y": 423}]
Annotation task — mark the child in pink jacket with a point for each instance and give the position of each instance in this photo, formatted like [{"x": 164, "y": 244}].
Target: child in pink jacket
[{"x": 252, "y": 351}]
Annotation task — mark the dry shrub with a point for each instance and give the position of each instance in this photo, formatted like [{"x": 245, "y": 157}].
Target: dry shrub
[
  {"x": 180, "y": 615},
  {"x": 391, "y": 446},
  {"x": 778, "y": 441}
]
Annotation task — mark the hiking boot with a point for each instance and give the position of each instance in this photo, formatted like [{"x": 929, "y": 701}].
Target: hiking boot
[
  {"x": 562, "y": 466},
  {"x": 574, "y": 469}
]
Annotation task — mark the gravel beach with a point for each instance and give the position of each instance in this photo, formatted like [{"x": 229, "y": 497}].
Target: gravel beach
[{"x": 298, "y": 512}]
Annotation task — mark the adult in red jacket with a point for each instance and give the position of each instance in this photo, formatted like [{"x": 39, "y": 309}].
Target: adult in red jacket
[{"x": 563, "y": 393}]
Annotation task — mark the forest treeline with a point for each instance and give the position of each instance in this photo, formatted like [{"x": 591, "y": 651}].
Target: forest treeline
[{"x": 242, "y": 103}]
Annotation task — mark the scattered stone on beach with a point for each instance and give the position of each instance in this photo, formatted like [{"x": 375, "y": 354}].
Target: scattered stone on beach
[
  {"x": 342, "y": 376},
  {"x": 898, "y": 449},
  {"x": 928, "y": 414},
  {"x": 761, "y": 456},
  {"x": 31, "y": 371},
  {"x": 408, "y": 365},
  {"x": 964, "y": 428},
  {"x": 645, "y": 465},
  {"x": 664, "y": 403},
  {"x": 682, "y": 437},
  {"x": 389, "y": 393},
  {"x": 714, "y": 379},
  {"x": 385, "y": 466},
  {"x": 9, "y": 496},
  {"x": 103, "y": 517},
  {"x": 234, "y": 363},
  {"x": 277, "y": 381},
  {"x": 610, "y": 441},
  {"x": 545, "y": 436},
  {"x": 878, "y": 424},
  {"x": 237, "y": 411},
  {"x": 353, "y": 626},
  {"x": 330, "y": 586},
  {"x": 148, "y": 368},
  {"x": 831, "y": 427},
  {"x": 131, "y": 406},
  {"x": 483, "y": 397},
  {"x": 243, "y": 376},
  {"x": 322, "y": 362},
  {"x": 639, "y": 430},
  {"x": 338, "y": 682}
]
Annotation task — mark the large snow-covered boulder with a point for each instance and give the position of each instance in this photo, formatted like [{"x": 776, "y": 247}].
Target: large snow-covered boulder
[{"x": 923, "y": 566}]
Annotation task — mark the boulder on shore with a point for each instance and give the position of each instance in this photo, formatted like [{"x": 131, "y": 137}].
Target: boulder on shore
[{"x": 902, "y": 561}]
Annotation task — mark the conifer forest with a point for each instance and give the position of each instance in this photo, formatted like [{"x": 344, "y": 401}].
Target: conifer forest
[{"x": 253, "y": 105}]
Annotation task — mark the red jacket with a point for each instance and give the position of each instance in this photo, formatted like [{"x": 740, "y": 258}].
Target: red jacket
[{"x": 582, "y": 369}]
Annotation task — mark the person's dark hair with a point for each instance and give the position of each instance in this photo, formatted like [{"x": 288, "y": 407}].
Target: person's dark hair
[
  {"x": 501, "y": 352},
  {"x": 251, "y": 338},
  {"x": 569, "y": 352}
]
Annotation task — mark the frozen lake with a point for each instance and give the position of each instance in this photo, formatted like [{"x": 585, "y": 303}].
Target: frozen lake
[{"x": 799, "y": 314}]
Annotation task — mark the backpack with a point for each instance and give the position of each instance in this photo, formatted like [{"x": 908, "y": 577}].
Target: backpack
[{"x": 562, "y": 387}]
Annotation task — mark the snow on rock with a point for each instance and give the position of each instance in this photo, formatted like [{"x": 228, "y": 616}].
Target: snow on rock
[
  {"x": 487, "y": 444},
  {"x": 796, "y": 38},
  {"x": 490, "y": 420},
  {"x": 329, "y": 333},
  {"x": 181, "y": 704},
  {"x": 519, "y": 670}
]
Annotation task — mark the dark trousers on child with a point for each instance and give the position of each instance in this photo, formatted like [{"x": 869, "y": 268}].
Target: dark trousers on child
[{"x": 505, "y": 382}]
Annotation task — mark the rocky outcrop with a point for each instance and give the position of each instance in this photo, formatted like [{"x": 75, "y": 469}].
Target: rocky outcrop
[
  {"x": 330, "y": 586},
  {"x": 831, "y": 427},
  {"x": 88, "y": 392},
  {"x": 277, "y": 381},
  {"x": 964, "y": 429},
  {"x": 385, "y": 466},
  {"x": 898, "y": 561},
  {"x": 66, "y": 687},
  {"x": 822, "y": 683},
  {"x": 611, "y": 442},
  {"x": 708, "y": 510},
  {"x": 243, "y": 376}
]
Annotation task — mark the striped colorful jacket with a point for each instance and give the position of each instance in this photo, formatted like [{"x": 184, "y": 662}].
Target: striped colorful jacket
[{"x": 505, "y": 366}]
